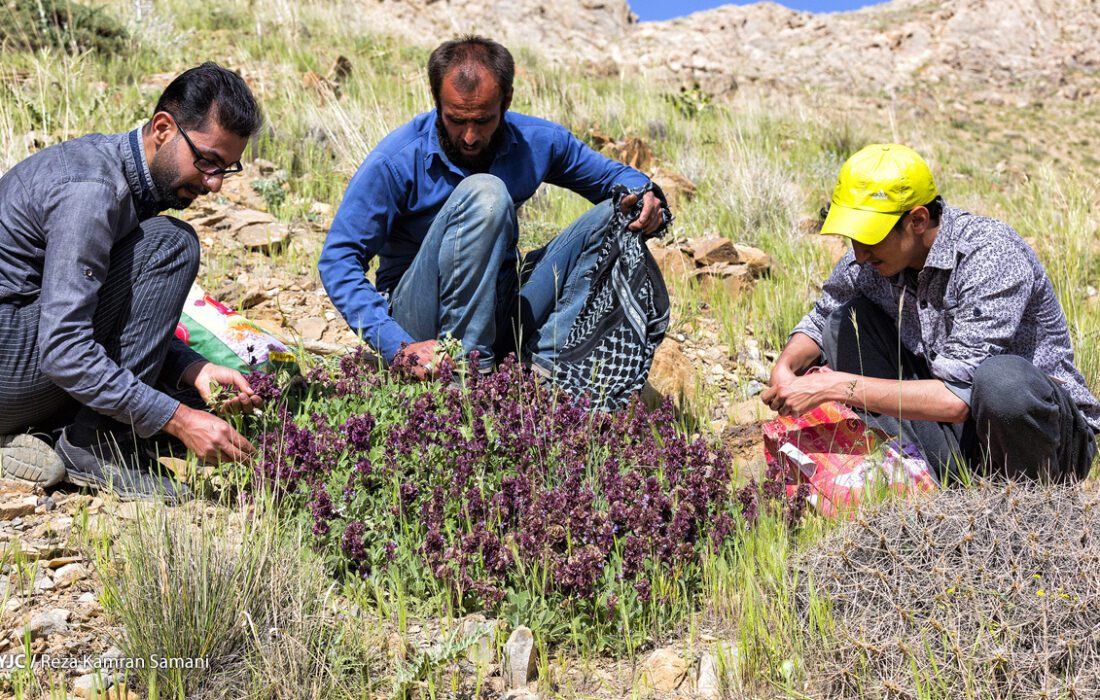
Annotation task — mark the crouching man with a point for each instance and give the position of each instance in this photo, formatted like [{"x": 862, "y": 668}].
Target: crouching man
[
  {"x": 92, "y": 282},
  {"x": 437, "y": 200},
  {"x": 943, "y": 327}
]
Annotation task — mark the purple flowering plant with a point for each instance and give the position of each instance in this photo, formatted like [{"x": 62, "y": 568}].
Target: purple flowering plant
[{"x": 497, "y": 493}]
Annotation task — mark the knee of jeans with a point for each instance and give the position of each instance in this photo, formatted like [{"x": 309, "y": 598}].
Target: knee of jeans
[
  {"x": 486, "y": 193},
  {"x": 1006, "y": 387},
  {"x": 175, "y": 238}
]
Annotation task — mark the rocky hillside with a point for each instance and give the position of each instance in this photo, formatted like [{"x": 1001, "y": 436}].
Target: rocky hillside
[{"x": 1036, "y": 48}]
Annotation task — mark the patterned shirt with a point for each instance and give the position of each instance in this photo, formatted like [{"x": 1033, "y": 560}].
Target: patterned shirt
[{"x": 982, "y": 292}]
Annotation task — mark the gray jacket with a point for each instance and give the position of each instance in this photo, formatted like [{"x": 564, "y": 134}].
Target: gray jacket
[{"x": 61, "y": 211}]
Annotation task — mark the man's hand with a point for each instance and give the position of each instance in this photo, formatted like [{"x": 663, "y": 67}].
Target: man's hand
[
  {"x": 426, "y": 362},
  {"x": 208, "y": 377},
  {"x": 651, "y": 217},
  {"x": 805, "y": 393},
  {"x": 782, "y": 373},
  {"x": 209, "y": 437}
]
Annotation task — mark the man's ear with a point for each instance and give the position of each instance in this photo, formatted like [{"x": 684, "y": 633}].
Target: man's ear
[
  {"x": 920, "y": 218},
  {"x": 506, "y": 103},
  {"x": 163, "y": 128}
]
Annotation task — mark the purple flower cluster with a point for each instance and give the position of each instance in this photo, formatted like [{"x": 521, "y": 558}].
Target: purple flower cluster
[{"x": 491, "y": 484}]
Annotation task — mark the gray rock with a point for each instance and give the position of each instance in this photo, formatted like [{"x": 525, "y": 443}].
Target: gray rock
[
  {"x": 480, "y": 653},
  {"x": 519, "y": 652},
  {"x": 69, "y": 574},
  {"x": 48, "y": 622},
  {"x": 43, "y": 582},
  {"x": 707, "y": 685}
]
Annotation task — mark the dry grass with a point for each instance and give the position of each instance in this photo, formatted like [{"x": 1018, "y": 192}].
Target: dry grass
[{"x": 984, "y": 592}]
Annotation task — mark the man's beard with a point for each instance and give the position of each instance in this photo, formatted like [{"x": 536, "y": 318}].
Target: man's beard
[
  {"x": 475, "y": 164},
  {"x": 165, "y": 174}
]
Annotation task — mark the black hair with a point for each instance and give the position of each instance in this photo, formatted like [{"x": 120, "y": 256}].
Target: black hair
[
  {"x": 464, "y": 53},
  {"x": 935, "y": 209},
  {"x": 208, "y": 91}
]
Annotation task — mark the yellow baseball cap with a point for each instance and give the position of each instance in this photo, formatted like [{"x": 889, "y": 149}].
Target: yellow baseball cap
[{"x": 875, "y": 187}]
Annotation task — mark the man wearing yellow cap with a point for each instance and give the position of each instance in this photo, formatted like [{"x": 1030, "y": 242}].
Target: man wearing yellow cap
[{"x": 942, "y": 326}]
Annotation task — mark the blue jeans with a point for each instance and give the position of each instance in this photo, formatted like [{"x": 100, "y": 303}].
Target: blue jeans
[{"x": 462, "y": 284}]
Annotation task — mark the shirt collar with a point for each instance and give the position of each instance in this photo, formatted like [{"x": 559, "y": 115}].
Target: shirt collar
[
  {"x": 435, "y": 149},
  {"x": 943, "y": 255},
  {"x": 136, "y": 168}
]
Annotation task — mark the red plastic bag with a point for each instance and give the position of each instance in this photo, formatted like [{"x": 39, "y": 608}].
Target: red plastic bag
[{"x": 839, "y": 456}]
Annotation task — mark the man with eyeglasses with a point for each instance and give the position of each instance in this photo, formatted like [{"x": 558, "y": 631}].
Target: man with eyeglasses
[
  {"x": 942, "y": 327},
  {"x": 92, "y": 282}
]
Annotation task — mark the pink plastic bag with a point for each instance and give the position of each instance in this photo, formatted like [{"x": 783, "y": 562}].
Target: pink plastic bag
[{"x": 839, "y": 456}]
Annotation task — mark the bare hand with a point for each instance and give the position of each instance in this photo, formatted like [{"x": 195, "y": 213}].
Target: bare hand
[
  {"x": 781, "y": 374},
  {"x": 209, "y": 437},
  {"x": 803, "y": 394},
  {"x": 651, "y": 217},
  {"x": 426, "y": 362},
  {"x": 208, "y": 378}
]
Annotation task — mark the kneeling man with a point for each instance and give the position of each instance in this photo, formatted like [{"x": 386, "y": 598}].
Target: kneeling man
[
  {"x": 92, "y": 282},
  {"x": 943, "y": 327},
  {"x": 436, "y": 201}
]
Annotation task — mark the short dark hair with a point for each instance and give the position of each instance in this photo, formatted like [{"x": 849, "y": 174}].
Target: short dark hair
[
  {"x": 208, "y": 91},
  {"x": 467, "y": 51}
]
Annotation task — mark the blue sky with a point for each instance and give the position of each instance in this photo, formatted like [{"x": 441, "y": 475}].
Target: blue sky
[{"x": 666, "y": 9}]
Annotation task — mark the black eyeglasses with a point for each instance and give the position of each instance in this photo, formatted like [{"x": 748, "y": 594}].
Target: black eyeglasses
[{"x": 203, "y": 164}]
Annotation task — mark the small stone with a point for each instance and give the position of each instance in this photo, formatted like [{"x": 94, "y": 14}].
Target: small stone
[
  {"x": 710, "y": 251},
  {"x": 265, "y": 238},
  {"x": 521, "y": 694},
  {"x": 754, "y": 387},
  {"x": 43, "y": 582},
  {"x": 480, "y": 653},
  {"x": 671, "y": 373},
  {"x": 665, "y": 669},
  {"x": 672, "y": 262},
  {"x": 311, "y": 328},
  {"x": 733, "y": 278},
  {"x": 757, "y": 260},
  {"x": 18, "y": 507},
  {"x": 521, "y": 658},
  {"x": 707, "y": 686},
  {"x": 88, "y": 598},
  {"x": 48, "y": 504},
  {"x": 94, "y": 686},
  {"x": 12, "y": 606},
  {"x": 48, "y": 622},
  {"x": 677, "y": 188},
  {"x": 69, "y": 574}
]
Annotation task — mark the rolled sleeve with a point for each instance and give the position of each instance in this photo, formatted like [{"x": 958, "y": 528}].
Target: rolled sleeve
[
  {"x": 359, "y": 230},
  {"x": 81, "y": 220}
]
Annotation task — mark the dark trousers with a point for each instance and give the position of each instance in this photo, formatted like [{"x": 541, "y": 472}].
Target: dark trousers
[
  {"x": 1022, "y": 423},
  {"x": 150, "y": 273}
]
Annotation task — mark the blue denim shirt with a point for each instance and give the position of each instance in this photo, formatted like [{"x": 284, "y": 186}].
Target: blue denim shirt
[
  {"x": 982, "y": 292},
  {"x": 404, "y": 182},
  {"x": 61, "y": 211}
]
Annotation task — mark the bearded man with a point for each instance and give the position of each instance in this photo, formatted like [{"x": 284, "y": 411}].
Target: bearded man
[
  {"x": 436, "y": 201},
  {"x": 92, "y": 283}
]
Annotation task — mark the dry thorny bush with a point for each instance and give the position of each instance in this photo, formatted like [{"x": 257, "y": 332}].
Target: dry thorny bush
[{"x": 990, "y": 591}]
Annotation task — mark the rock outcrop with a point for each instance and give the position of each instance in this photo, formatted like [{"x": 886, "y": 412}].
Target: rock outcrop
[{"x": 1038, "y": 48}]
